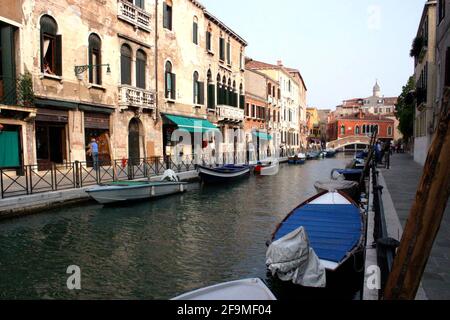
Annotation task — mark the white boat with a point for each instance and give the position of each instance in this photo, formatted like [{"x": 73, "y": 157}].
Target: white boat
[
  {"x": 241, "y": 290},
  {"x": 268, "y": 168},
  {"x": 123, "y": 191}
]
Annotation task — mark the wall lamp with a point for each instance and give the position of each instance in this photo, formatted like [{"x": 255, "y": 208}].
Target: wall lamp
[{"x": 80, "y": 69}]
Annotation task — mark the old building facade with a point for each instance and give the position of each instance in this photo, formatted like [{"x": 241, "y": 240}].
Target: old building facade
[
  {"x": 425, "y": 77},
  {"x": 289, "y": 102},
  {"x": 92, "y": 83},
  {"x": 201, "y": 77},
  {"x": 442, "y": 55}
]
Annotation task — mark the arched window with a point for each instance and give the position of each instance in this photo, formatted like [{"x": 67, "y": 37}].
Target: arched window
[
  {"x": 211, "y": 103},
  {"x": 170, "y": 80},
  {"x": 357, "y": 130},
  {"x": 364, "y": 129},
  {"x": 95, "y": 59},
  {"x": 195, "y": 30},
  {"x": 125, "y": 64},
  {"x": 390, "y": 131},
  {"x": 229, "y": 93},
  {"x": 141, "y": 66},
  {"x": 196, "y": 87},
  {"x": 209, "y": 38},
  {"x": 219, "y": 90},
  {"x": 224, "y": 91},
  {"x": 51, "y": 47},
  {"x": 342, "y": 129}
]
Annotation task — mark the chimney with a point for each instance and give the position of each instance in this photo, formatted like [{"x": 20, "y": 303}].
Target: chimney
[{"x": 280, "y": 63}]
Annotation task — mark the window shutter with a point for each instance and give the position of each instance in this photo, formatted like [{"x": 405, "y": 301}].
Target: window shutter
[
  {"x": 208, "y": 40},
  {"x": 236, "y": 99},
  {"x": 211, "y": 97},
  {"x": 91, "y": 71},
  {"x": 174, "y": 87},
  {"x": 195, "y": 33},
  {"x": 228, "y": 53},
  {"x": 140, "y": 74},
  {"x": 42, "y": 51},
  {"x": 201, "y": 93},
  {"x": 58, "y": 55},
  {"x": 222, "y": 49},
  {"x": 125, "y": 70},
  {"x": 165, "y": 24}
]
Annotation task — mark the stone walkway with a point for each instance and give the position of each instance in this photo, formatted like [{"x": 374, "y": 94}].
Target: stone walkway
[{"x": 402, "y": 181}]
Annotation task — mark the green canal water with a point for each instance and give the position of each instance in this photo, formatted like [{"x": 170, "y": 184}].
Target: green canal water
[{"x": 157, "y": 250}]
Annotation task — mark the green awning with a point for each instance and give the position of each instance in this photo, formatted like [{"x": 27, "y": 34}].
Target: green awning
[
  {"x": 192, "y": 124},
  {"x": 263, "y": 136}
]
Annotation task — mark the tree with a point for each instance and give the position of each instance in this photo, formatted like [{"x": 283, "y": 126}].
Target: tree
[{"x": 405, "y": 109}]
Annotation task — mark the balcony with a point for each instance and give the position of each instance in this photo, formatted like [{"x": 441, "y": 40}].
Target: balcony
[
  {"x": 230, "y": 114},
  {"x": 136, "y": 97},
  {"x": 134, "y": 15}
]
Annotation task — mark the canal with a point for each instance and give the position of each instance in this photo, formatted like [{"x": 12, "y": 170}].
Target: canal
[{"x": 157, "y": 250}]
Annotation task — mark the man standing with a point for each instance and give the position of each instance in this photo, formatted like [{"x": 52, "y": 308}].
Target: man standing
[{"x": 94, "y": 152}]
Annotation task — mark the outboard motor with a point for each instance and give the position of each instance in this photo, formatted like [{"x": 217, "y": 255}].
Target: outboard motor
[{"x": 170, "y": 175}]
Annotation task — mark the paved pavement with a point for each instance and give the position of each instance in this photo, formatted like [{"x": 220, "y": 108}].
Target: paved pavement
[{"x": 402, "y": 181}]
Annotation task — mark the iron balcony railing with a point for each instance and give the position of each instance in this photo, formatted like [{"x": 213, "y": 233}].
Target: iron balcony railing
[{"x": 16, "y": 92}]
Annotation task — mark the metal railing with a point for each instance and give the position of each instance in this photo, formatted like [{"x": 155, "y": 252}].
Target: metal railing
[
  {"x": 17, "y": 92},
  {"x": 386, "y": 246},
  {"x": 34, "y": 179}
]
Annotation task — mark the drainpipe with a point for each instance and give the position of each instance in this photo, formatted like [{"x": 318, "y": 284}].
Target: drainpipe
[{"x": 156, "y": 61}]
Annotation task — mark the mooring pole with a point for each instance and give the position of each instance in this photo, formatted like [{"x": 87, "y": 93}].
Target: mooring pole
[{"x": 424, "y": 219}]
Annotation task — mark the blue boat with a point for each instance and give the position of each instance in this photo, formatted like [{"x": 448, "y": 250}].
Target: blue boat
[
  {"x": 297, "y": 159},
  {"x": 334, "y": 225},
  {"x": 225, "y": 173}
]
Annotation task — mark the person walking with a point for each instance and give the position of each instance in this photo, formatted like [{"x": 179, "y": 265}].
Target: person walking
[{"x": 93, "y": 149}]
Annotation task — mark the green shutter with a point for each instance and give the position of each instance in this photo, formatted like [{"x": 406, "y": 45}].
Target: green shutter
[
  {"x": 8, "y": 65},
  {"x": 174, "y": 88},
  {"x": 201, "y": 93},
  {"x": 58, "y": 55},
  {"x": 211, "y": 97},
  {"x": 9, "y": 149}
]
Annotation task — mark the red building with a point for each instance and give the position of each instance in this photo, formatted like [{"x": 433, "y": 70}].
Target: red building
[{"x": 361, "y": 124}]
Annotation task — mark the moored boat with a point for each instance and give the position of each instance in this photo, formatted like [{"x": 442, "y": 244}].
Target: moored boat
[
  {"x": 334, "y": 226},
  {"x": 351, "y": 188},
  {"x": 329, "y": 153},
  {"x": 312, "y": 155},
  {"x": 124, "y": 191},
  {"x": 297, "y": 159},
  {"x": 241, "y": 290},
  {"x": 225, "y": 173},
  {"x": 268, "y": 168}
]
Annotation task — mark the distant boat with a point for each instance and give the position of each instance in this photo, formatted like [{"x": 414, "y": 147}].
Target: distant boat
[
  {"x": 225, "y": 173},
  {"x": 241, "y": 290},
  {"x": 312, "y": 155},
  {"x": 297, "y": 159},
  {"x": 124, "y": 191},
  {"x": 334, "y": 225},
  {"x": 268, "y": 168},
  {"x": 329, "y": 153}
]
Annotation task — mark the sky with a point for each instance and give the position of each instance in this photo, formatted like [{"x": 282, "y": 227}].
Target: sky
[{"x": 340, "y": 46}]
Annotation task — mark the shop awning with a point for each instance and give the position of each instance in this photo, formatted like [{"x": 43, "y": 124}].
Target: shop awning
[
  {"x": 263, "y": 136},
  {"x": 192, "y": 124}
]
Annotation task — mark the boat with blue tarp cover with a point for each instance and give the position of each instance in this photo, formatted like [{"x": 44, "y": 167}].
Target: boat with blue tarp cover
[
  {"x": 225, "y": 173},
  {"x": 333, "y": 223},
  {"x": 349, "y": 174}
]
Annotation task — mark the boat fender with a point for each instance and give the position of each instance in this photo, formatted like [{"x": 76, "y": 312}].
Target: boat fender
[
  {"x": 153, "y": 191},
  {"x": 181, "y": 188}
]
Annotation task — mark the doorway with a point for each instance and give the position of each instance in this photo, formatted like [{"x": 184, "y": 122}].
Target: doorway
[
  {"x": 50, "y": 144},
  {"x": 134, "y": 141}
]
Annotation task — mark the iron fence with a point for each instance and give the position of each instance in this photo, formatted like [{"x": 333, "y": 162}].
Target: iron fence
[
  {"x": 386, "y": 246},
  {"x": 34, "y": 179}
]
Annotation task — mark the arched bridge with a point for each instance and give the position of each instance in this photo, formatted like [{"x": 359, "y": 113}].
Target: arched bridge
[{"x": 348, "y": 141}]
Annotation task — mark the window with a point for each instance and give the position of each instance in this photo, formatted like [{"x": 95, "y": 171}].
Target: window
[
  {"x": 208, "y": 40},
  {"x": 138, "y": 3},
  {"x": 247, "y": 106},
  {"x": 242, "y": 96},
  {"x": 198, "y": 90},
  {"x": 390, "y": 131},
  {"x": 343, "y": 129},
  {"x": 211, "y": 91},
  {"x": 51, "y": 47},
  {"x": 222, "y": 48},
  {"x": 441, "y": 10},
  {"x": 357, "y": 130},
  {"x": 95, "y": 59},
  {"x": 229, "y": 52},
  {"x": 141, "y": 66},
  {"x": 289, "y": 86},
  {"x": 219, "y": 90},
  {"x": 170, "y": 80},
  {"x": 167, "y": 15},
  {"x": 125, "y": 64},
  {"x": 195, "y": 31}
]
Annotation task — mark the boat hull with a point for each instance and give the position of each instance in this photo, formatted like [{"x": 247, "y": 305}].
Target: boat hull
[
  {"x": 121, "y": 194},
  {"x": 296, "y": 161},
  {"x": 221, "y": 175}
]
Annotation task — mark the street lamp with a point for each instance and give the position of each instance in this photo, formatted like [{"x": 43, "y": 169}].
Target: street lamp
[{"x": 81, "y": 69}]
